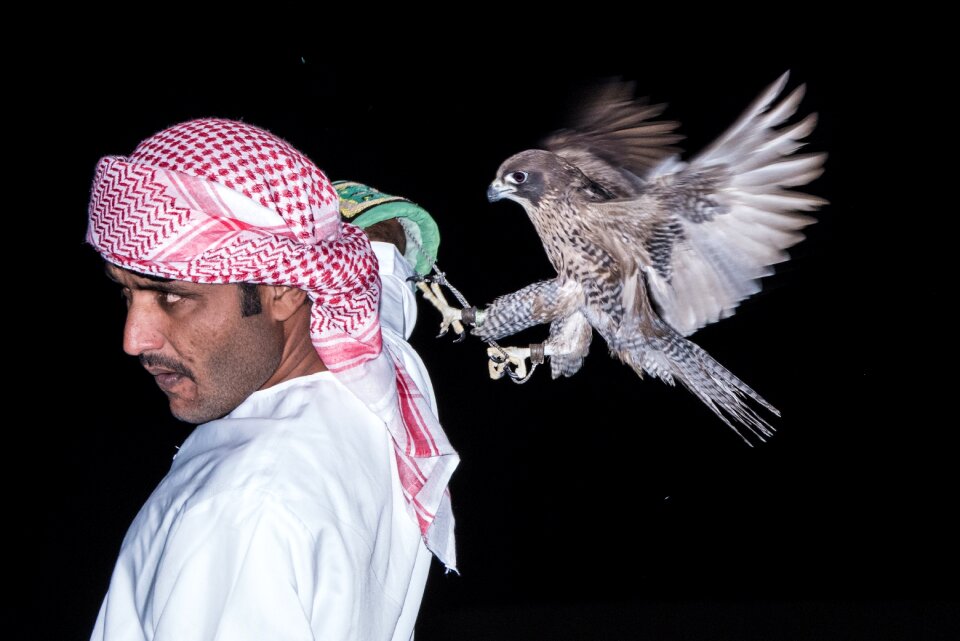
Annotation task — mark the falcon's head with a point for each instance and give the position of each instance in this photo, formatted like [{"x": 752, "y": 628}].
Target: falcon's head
[{"x": 530, "y": 175}]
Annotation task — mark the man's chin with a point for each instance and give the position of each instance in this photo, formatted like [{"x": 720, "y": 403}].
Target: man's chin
[
  {"x": 194, "y": 414},
  {"x": 185, "y": 419},
  {"x": 187, "y": 412}
]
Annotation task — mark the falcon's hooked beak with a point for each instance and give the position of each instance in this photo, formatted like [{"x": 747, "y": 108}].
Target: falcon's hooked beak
[{"x": 497, "y": 190}]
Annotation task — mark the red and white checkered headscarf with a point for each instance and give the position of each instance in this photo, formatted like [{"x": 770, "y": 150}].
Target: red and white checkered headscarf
[{"x": 218, "y": 201}]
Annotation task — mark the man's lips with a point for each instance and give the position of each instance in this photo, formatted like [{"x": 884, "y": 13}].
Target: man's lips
[{"x": 166, "y": 379}]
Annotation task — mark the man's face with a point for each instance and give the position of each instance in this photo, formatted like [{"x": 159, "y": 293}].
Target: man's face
[{"x": 203, "y": 353}]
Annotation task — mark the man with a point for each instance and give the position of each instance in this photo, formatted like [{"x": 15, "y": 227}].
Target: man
[{"x": 304, "y": 504}]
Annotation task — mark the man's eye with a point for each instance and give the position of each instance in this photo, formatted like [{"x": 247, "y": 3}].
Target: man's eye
[{"x": 169, "y": 298}]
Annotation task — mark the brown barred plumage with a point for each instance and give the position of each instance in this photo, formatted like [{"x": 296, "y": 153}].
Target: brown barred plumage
[{"x": 648, "y": 248}]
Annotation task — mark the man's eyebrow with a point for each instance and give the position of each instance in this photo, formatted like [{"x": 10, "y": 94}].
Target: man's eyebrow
[
  {"x": 172, "y": 287},
  {"x": 158, "y": 284}
]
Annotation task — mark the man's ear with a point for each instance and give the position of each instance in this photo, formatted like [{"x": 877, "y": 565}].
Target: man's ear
[{"x": 281, "y": 302}]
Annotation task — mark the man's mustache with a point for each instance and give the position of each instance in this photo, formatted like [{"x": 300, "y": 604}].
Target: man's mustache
[{"x": 156, "y": 360}]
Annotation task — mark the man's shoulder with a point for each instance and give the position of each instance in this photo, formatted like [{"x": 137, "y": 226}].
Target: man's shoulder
[{"x": 311, "y": 448}]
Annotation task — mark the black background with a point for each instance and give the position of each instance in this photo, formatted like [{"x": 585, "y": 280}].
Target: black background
[{"x": 599, "y": 507}]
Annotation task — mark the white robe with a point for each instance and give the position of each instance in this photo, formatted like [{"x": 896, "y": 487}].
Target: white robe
[
  {"x": 398, "y": 314},
  {"x": 283, "y": 520}
]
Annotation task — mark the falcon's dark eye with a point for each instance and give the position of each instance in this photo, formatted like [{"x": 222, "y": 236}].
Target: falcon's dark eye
[{"x": 518, "y": 177}]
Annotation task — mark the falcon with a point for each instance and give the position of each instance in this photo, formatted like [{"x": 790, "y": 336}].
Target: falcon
[{"x": 647, "y": 247}]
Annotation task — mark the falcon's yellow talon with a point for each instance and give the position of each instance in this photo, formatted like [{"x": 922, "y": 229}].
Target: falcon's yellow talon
[
  {"x": 498, "y": 363},
  {"x": 451, "y": 315}
]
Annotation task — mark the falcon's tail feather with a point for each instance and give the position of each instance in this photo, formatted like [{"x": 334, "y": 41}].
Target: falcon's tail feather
[{"x": 671, "y": 357}]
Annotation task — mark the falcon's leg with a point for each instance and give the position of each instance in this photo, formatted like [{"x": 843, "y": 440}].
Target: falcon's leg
[
  {"x": 535, "y": 304},
  {"x": 451, "y": 315},
  {"x": 567, "y": 346},
  {"x": 543, "y": 302},
  {"x": 501, "y": 358}
]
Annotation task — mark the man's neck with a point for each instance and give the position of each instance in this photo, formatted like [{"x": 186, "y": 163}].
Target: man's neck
[{"x": 299, "y": 357}]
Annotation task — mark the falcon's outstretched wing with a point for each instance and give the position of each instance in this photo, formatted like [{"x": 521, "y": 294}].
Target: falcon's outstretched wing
[
  {"x": 711, "y": 228},
  {"x": 614, "y": 141}
]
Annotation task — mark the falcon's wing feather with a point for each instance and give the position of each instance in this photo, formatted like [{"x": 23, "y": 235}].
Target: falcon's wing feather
[
  {"x": 613, "y": 139},
  {"x": 712, "y": 227}
]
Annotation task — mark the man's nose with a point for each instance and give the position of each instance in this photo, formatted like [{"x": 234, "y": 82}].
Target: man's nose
[{"x": 142, "y": 331}]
